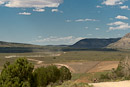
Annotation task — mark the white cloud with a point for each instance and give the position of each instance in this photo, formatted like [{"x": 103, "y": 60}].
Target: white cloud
[
  {"x": 31, "y": 3},
  {"x": 83, "y": 20},
  {"x": 39, "y": 10},
  {"x": 125, "y": 7},
  {"x": 1, "y": 2},
  {"x": 89, "y": 34},
  {"x": 98, "y": 6},
  {"x": 86, "y": 27},
  {"x": 68, "y": 20},
  {"x": 119, "y": 26},
  {"x": 39, "y": 36},
  {"x": 24, "y": 13},
  {"x": 97, "y": 28},
  {"x": 122, "y": 17},
  {"x": 53, "y": 40},
  {"x": 116, "y": 23},
  {"x": 113, "y": 2},
  {"x": 54, "y": 10}
]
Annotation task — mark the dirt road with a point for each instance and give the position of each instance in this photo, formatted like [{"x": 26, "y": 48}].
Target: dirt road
[{"x": 112, "y": 84}]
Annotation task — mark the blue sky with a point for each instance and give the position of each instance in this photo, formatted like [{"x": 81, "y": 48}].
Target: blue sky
[{"x": 54, "y": 22}]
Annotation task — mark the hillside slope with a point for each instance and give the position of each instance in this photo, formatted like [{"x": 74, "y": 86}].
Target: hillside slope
[
  {"x": 94, "y": 43},
  {"x": 11, "y": 44},
  {"x": 123, "y": 43},
  {"x": 10, "y": 47}
]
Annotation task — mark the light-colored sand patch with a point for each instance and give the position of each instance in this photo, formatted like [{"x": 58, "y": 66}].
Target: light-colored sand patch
[
  {"x": 71, "y": 69},
  {"x": 55, "y": 55},
  {"x": 14, "y": 56},
  {"x": 38, "y": 61},
  {"x": 105, "y": 65},
  {"x": 112, "y": 84}
]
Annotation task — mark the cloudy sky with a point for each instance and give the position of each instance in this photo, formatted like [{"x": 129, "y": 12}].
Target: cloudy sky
[{"x": 53, "y": 22}]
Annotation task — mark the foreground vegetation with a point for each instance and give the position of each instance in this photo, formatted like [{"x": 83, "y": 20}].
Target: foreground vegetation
[
  {"x": 121, "y": 73},
  {"x": 34, "y": 77},
  {"x": 22, "y": 74}
]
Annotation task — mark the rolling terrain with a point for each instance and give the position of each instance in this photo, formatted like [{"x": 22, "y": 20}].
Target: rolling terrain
[
  {"x": 12, "y": 44},
  {"x": 10, "y": 47}
]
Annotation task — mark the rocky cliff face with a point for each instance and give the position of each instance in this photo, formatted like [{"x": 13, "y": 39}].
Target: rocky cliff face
[{"x": 123, "y": 43}]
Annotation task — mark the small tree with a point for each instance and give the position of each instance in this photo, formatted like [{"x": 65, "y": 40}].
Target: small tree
[
  {"x": 40, "y": 75},
  {"x": 53, "y": 74},
  {"x": 18, "y": 74},
  {"x": 44, "y": 76},
  {"x": 65, "y": 73}
]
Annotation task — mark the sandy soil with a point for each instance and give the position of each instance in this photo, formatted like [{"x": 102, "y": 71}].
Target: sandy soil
[
  {"x": 104, "y": 65},
  {"x": 38, "y": 61},
  {"x": 82, "y": 67},
  {"x": 112, "y": 84}
]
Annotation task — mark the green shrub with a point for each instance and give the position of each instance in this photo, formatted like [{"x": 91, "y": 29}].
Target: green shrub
[
  {"x": 50, "y": 75},
  {"x": 18, "y": 74},
  {"x": 22, "y": 74},
  {"x": 53, "y": 74},
  {"x": 65, "y": 74}
]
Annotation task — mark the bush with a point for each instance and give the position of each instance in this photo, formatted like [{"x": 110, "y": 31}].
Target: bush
[
  {"x": 53, "y": 74},
  {"x": 65, "y": 74},
  {"x": 50, "y": 75},
  {"x": 18, "y": 74},
  {"x": 45, "y": 76}
]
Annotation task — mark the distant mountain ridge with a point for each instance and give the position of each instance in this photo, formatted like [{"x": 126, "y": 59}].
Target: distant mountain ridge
[
  {"x": 94, "y": 43},
  {"x": 10, "y": 47},
  {"x": 11, "y": 44},
  {"x": 84, "y": 44},
  {"x": 123, "y": 43}
]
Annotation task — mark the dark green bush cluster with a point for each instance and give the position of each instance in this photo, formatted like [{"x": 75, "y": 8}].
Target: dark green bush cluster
[
  {"x": 51, "y": 74},
  {"x": 121, "y": 73},
  {"x": 22, "y": 74},
  {"x": 18, "y": 74}
]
